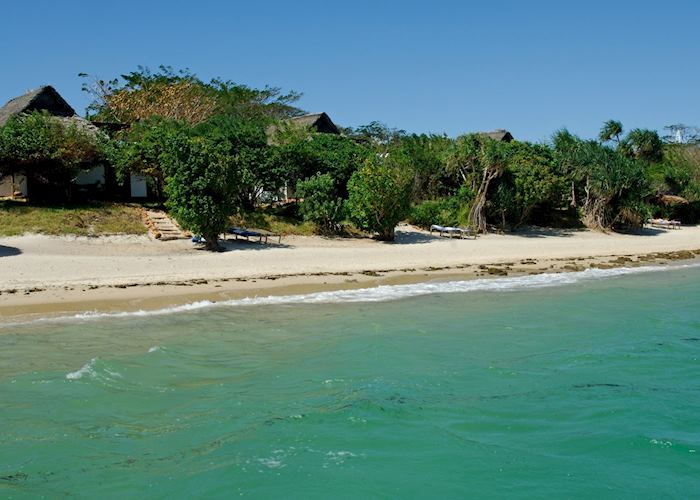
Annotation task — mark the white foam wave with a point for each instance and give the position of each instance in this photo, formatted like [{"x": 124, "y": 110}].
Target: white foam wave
[
  {"x": 86, "y": 369},
  {"x": 386, "y": 293}
]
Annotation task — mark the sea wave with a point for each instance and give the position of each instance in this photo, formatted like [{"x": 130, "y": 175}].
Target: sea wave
[
  {"x": 384, "y": 293},
  {"x": 87, "y": 369}
]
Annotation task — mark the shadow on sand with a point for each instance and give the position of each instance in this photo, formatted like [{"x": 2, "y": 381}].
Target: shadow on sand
[
  {"x": 542, "y": 232},
  {"x": 406, "y": 236},
  {"x": 9, "y": 251},
  {"x": 230, "y": 245}
]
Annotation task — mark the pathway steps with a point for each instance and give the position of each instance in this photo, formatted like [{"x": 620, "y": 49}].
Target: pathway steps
[{"x": 163, "y": 224}]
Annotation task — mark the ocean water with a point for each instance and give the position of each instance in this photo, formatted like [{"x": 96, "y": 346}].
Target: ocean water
[{"x": 552, "y": 386}]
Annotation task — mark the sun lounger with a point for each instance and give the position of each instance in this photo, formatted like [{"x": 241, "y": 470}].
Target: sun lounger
[
  {"x": 664, "y": 223},
  {"x": 452, "y": 231},
  {"x": 267, "y": 234},
  {"x": 260, "y": 234}
]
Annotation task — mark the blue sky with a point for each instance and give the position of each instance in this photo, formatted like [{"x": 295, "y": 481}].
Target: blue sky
[{"x": 437, "y": 66}]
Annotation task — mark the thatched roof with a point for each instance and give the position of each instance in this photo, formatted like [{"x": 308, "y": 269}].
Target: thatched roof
[
  {"x": 500, "y": 135},
  {"x": 42, "y": 99},
  {"x": 670, "y": 199},
  {"x": 320, "y": 122}
]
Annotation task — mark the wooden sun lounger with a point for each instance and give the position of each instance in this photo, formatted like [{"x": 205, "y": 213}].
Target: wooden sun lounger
[
  {"x": 664, "y": 223},
  {"x": 452, "y": 231}
]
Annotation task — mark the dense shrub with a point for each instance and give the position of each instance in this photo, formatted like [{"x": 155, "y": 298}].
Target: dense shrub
[
  {"x": 201, "y": 180},
  {"x": 320, "y": 204},
  {"x": 379, "y": 197}
]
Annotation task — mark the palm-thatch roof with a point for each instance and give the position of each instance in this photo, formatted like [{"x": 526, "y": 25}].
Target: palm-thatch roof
[
  {"x": 320, "y": 122},
  {"x": 670, "y": 199},
  {"x": 500, "y": 135},
  {"x": 42, "y": 99}
]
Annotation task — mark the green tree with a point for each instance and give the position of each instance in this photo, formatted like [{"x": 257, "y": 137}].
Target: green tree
[
  {"x": 478, "y": 160},
  {"x": 613, "y": 184},
  {"x": 530, "y": 180},
  {"x": 201, "y": 182},
  {"x": 379, "y": 197},
  {"x": 612, "y": 130},
  {"x": 302, "y": 154},
  {"x": 246, "y": 143},
  {"x": 50, "y": 150},
  {"x": 140, "y": 150},
  {"x": 320, "y": 204},
  {"x": 645, "y": 145},
  {"x": 182, "y": 96},
  {"x": 424, "y": 157}
]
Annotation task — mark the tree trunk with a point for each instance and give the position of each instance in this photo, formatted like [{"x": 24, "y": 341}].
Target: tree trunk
[
  {"x": 211, "y": 242},
  {"x": 387, "y": 234},
  {"x": 476, "y": 217}
]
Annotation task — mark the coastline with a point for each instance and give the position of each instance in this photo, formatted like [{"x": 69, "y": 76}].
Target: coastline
[{"x": 55, "y": 276}]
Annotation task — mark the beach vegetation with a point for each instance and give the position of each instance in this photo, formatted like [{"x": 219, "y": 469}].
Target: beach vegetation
[
  {"x": 477, "y": 160},
  {"x": 300, "y": 154},
  {"x": 182, "y": 96},
  {"x": 201, "y": 182},
  {"x": 379, "y": 197},
  {"x": 50, "y": 151},
  {"x": 611, "y": 185},
  {"x": 320, "y": 204},
  {"x": 83, "y": 219},
  {"x": 217, "y": 149},
  {"x": 279, "y": 219}
]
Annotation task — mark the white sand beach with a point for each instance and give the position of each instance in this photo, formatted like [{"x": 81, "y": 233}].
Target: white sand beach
[{"x": 46, "y": 274}]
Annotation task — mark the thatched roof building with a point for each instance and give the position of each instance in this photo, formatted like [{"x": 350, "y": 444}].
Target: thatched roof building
[
  {"x": 320, "y": 122},
  {"x": 500, "y": 135},
  {"x": 42, "y": 99},
  {"x": 45, "y": 99}
]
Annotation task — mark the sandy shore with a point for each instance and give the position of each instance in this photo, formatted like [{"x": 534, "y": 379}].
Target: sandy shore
[{"x": 44, "y": 275}]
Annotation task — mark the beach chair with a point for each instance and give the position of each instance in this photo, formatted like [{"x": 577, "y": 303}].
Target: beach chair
[
  {"x": 664, "y": 223},
  {"x": 262, "y": 235},
  {"x": 452, "y": 231},
  {"x": 245, "y": 233},
  {"x": 267, "y": 234}
]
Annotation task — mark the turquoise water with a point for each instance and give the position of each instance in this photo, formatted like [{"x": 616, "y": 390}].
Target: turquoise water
[{"x": 588, "y": 388}]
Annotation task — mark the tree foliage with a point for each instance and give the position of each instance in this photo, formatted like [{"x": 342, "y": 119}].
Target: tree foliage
[
  {"x": 182, "y": 96},
  {"x": 302, "y": 154},
  {"x": 50, "y": 150},
  {"x": 201, "y": 183},
  {"x": 478, "y": 160},
  {"x": 612, "y": 130},
  {"x": 530, "y": 179},
  {"x": 614, "y": 184},
  {"x": 379, "y": 197},
  {"x": 320, "y": 203}
]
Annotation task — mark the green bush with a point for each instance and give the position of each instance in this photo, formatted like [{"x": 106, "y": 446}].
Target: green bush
[
  {"x": 379, "y": 197},
  {"x": 427, "y": 213},
  {"x": 450, "y": 211},
  {"x": 320, "y": 203},
  {"x": 201, "y": 183}
]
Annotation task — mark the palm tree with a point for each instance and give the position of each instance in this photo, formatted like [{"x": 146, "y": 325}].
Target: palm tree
[
  {"x": 643, "y": 144},
  {"x": 612, "y": 129}
]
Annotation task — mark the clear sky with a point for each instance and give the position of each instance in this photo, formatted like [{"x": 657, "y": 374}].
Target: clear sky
[{"x": 429, "y": 66}]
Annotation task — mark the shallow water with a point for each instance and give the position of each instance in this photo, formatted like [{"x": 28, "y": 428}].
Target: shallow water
[{"x": 587, "y": 388}]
